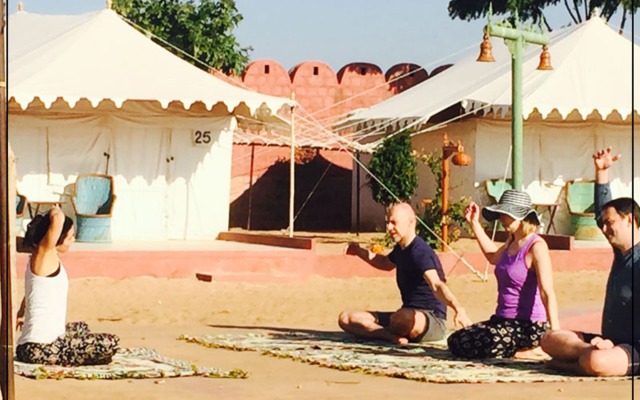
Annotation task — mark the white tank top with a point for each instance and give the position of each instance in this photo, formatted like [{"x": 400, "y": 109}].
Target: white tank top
[{"x": 45, "y": 306}]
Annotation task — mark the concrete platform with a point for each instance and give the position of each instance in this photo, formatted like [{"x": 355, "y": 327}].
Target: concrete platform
[{"x": 235, "y": 261}]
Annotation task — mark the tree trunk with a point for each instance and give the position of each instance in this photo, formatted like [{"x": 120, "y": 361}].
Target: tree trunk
[
  {"x": 566, "y": 4},
  {"x": 576, "y": 8},
  {"x": 622, "y": 21}
]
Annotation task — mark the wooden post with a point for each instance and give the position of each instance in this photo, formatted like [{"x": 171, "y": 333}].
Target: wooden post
[
  {"x": 444, "y": 227},
  {"x": 250, "y": 186},
  {"x": 6, "y": 324},
  {"x": 358, "y": 194},
  {"x": 292, "y": 169}
]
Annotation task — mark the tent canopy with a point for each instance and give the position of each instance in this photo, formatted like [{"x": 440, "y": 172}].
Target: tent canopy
[
  {"x": 99, "y": 56},
  {"x": 592, "y": 71}
]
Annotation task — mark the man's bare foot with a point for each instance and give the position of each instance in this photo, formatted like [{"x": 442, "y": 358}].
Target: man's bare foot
[
  {"x": 536, "y": 354},
  {"x": 402, "y": 341}
]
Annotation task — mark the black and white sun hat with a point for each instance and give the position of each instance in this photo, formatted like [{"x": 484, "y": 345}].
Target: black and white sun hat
[{"x": 513, "y": 203}]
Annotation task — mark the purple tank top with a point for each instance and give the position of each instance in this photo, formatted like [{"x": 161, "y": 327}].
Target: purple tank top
[{"x": 518, "y": 293}]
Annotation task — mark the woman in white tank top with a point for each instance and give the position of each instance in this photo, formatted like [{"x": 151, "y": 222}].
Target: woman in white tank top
[{"x": 46, "y": 338}]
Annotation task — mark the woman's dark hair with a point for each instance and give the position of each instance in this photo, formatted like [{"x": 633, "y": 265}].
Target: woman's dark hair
[{"x": 38, "y": 227}]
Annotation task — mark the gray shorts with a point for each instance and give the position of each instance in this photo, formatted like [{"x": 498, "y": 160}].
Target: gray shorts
[{"x": 436, "y": 327}]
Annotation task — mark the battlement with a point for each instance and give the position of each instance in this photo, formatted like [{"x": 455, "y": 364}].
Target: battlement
[{"x": 325, "y": 93}]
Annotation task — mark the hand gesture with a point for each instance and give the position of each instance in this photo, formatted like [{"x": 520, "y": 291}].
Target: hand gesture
[
  {"x": 19, "y": 323},
  {"x": 461, "y": 320},
  {"x": 472, "y": 213},
  {"x": 601, "y": 343},
  {"x": 352, "y": 249},
  {"x": 603, "y": 159}
]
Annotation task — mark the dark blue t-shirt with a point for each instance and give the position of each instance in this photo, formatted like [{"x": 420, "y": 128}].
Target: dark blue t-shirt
[
  {"x": 411, "y": 264},
  {"x": 621, "y": 313}
]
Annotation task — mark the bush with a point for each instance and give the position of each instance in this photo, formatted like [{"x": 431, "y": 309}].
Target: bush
[{"x": 394, "y": 164}]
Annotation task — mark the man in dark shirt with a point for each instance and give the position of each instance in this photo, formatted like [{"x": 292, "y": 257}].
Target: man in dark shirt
[
  {"x": 617, "y": 350},
  {"x": 421, "y": 281}
]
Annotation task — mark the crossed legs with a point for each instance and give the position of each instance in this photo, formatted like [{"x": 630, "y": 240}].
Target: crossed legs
[
  {"x": 403, "y": 326},
  {"x": 598, "y": 357}
]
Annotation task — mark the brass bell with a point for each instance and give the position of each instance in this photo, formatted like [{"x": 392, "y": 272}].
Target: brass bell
[
  {"x": 486, "y": 55},
  {"x": 545, "y": 59}
]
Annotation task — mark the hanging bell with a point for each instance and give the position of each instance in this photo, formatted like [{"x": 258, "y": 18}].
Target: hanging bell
[
  {"x": 486, "y": 55},
  {"x": 545, "y": 59}
]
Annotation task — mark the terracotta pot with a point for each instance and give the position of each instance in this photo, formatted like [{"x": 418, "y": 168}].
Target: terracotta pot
[{"x": 461, "y": 159}]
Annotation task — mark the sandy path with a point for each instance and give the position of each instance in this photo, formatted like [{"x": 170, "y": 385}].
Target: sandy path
[{"x": 153, "y": 312}]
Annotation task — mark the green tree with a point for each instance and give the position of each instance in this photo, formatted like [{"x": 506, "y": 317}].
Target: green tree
[
  {"x": 533, "y": 10},
  {"x": 202, "y": 29},
  {"x": 394, "y": 164}
]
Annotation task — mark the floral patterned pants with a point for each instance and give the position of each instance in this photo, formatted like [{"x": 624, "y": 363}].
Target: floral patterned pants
[
  {"x": 496, "y": 338},
  {"x": 78, "y": 346}
]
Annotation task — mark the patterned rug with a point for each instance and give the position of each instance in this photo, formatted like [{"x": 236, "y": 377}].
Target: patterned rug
[
  {"x": 132, "y": 363},
  {"x": 426, "y": 363}
]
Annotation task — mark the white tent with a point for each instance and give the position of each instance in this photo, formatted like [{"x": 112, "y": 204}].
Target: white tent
[
  {"x": 592, "y": 71},
  {"x": 583, "y": 104},
  {"x": 91, "y": 94}
]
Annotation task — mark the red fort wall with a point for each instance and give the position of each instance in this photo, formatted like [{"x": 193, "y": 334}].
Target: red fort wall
[{"x": 324, "y": 94}]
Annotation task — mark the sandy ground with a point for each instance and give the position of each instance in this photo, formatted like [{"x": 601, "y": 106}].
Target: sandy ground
[{"x": 153, "y": 312}]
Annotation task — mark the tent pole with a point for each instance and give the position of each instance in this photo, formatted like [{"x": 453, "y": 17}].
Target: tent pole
[
  {"x": 358, "y": 193},
  {"x": 292, "y": 169},
  {"x": 253, "y": 148},
  {"x": 6, "y": 323}
]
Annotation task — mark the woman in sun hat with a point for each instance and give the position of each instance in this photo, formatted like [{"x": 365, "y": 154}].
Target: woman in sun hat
[{"x": 527, "y": 304}]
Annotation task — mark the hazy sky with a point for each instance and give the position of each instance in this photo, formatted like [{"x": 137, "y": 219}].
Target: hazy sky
[{"x": 338, "y": 32}]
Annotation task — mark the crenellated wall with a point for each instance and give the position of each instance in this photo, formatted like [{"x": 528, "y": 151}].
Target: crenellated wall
[{"x": 324, "y": 94}]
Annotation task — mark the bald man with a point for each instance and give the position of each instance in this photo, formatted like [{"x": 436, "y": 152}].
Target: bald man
[{"x": 420, "y": 278}]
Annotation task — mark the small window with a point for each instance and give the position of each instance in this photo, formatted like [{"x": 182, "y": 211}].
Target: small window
[
  {"x": 316, "y": 70},
  {"x": 363, "y": 70},
  {"x": 266, "y": 69}
]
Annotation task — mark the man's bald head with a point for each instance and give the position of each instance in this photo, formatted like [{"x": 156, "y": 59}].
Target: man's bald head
[{"x": 401, "y": 223}]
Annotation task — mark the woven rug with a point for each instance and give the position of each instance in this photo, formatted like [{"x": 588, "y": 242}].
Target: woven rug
[
  {"x": 131, "y": 363},
  {"x": 427, "y": 363}
]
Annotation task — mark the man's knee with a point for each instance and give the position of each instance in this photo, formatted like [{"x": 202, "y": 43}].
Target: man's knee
[
  {"x": 404, "y": 322},
  {"x": 550, "y": 341},
  {"x": 344, "y": 319},
  {"x": 604, "y": 362}
]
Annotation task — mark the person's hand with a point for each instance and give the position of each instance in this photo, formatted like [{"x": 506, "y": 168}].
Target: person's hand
[
  {"x": 472, "y": 213},
  {"x": 603, "y": 159},
  {"x": 352, "y": 249},
  {"x": 19, "y": 323},
  {"x": 56, "y": 212},
  {"x": 461, "y": 319},
  {"x": 601, "y": 343}
]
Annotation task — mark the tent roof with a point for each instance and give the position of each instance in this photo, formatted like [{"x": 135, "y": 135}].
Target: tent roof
[
  {"x": 592, "y": 72},
  {"x": 99, "y": 56}
]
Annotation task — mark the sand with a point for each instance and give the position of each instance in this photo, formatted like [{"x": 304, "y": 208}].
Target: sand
[{"x": 152, "y": 312}]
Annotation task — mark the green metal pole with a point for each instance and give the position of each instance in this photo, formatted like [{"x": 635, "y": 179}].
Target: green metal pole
[
  {"x": 516, "y": 113},
  {"x": 515, "y": 40}
]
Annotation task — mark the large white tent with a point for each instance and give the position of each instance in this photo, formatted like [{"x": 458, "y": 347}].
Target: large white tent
[
  {"x": 583, "y": 104},
  {"x": 91, "y": 94}
]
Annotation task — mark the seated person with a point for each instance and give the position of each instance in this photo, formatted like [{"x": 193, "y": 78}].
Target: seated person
[
  {"x": 421, "y": 281},
  {"x": 616, "y": 351},
  {"x": 45, "y": 338},
  {"x": 526, "y": 299}
]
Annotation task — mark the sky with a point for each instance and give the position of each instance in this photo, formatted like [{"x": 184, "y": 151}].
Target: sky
[{"x": 339, "y": 32}]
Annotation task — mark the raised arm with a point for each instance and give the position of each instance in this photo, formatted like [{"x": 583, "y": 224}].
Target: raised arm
[
  {"x": 375, "y": 260},
  {"x": 45, "y": 261},
  {"x": 445, "y": 295},
  {"x": 490, "y": 250},
  {"x": 602, "y": 161},
  {"x": 542, "y": 263}
]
